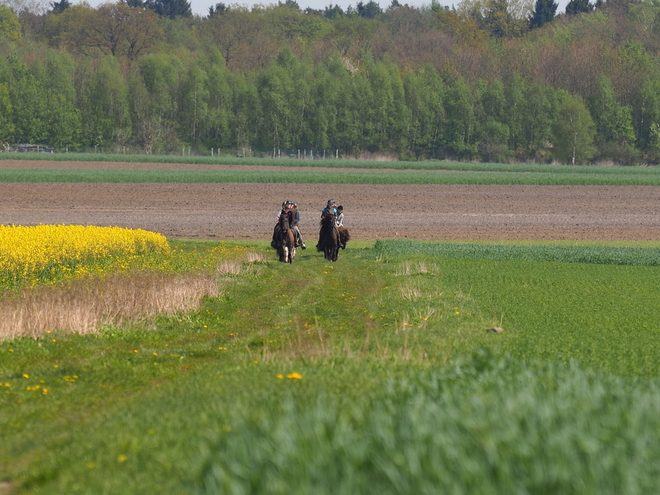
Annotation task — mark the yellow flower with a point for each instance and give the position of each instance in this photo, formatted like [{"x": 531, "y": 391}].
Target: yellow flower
[
  {"x": 294, "y": 376},
  {"x": 122, "y": 458},
  {"x": 25, "y": 375},
  {"x": 280, "y": 376}
]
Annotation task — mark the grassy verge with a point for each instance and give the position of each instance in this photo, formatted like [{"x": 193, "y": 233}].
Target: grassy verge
[
  {"x": 340, "y": 164},
  {"x": 373, "y": 373},
  {"x": 622, "y": 176}
]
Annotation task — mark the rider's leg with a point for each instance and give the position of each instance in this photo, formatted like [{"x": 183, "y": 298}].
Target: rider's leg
[
  {"x": 273, "y": 243},
  {"x": 338, "y": 236},
  {"x": 299, "y": 239}
]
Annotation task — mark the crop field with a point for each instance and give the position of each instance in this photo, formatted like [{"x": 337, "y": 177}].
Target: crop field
[{"x": 518, "y": 364}]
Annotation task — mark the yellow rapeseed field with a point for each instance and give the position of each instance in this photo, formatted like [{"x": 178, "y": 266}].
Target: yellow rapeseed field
[{"x": 29, "y": 255}]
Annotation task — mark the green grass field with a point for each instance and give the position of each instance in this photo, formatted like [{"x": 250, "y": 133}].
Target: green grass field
[
  {"x": 374, "y": 374},
  {"x": 346, "y": 171}
]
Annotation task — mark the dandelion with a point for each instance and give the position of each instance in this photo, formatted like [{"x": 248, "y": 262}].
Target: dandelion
[
  {"x": 25, "y": 375},
  {"x": 294, "y": 376},
  {"x": 222, "y": 348},
  {"x": 280, "y": 376},
  {"x": 122, "y": 458}
]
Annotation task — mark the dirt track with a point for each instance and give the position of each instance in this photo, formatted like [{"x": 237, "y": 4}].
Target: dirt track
[{"x": 247, "y": 211}]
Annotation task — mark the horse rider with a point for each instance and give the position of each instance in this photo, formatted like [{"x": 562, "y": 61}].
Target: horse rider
[
  {"x": 286, "y": 207},
  {"x": 331, "y": 208},
  {"x": 296, "y": 230},
  {"x": 276, "y": 230},
  {"x": 340, "y": 216}
]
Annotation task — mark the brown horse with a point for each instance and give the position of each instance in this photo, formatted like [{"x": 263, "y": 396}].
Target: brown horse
[
  {"x": 286, "y": 242},
  {"x": 329, "y": 237}
]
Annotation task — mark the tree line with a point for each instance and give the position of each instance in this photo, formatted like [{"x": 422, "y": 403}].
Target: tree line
[{"x": 491, "y": 80}]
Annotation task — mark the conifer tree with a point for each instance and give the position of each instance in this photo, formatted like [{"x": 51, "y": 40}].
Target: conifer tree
[
  {"x": 170, "y": 8},
  {"x": 575, "y": 7},
  {"x": 544, "y": 12}
]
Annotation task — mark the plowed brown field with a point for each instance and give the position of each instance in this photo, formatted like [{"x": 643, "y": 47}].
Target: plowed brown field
[{"x": 238, "y": 211}]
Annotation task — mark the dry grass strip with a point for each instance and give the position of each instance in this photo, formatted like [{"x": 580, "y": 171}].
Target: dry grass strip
[{"x": 84, "y": 305}]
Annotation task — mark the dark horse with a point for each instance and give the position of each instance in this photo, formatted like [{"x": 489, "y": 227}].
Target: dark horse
[
  {"x": 344, "y": 237},
  {"x": 329, "y": 237},
  {"x": 286, "y": 242}
]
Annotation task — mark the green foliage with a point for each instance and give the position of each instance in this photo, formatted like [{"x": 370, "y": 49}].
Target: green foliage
[
  {"x": 104, "y": 102},
  {"x": 27, "y": 92},
  {"x": 614, "y": 125},
  {"x": 486, "y": 426},
  {"x": 407, "y": 82},
  {"x": 6, "y": 123},
  {"x": 10, "y": 27},
  {"x": 573, "y": 131}
]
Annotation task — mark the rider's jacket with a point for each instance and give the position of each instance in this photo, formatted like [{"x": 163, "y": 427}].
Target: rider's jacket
[
  {"x": 329, "y": 210},
  {"x": 296, "y": 217}
]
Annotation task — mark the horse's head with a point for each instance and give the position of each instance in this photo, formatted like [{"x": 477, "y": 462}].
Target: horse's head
[
  {"x": 327, "y": 220},
  {"x": 285, "y": 221}
]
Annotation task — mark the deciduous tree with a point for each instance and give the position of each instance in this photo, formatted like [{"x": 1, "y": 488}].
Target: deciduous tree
[
  {"x": 10, "y": 27},
  {"x": 573, "y": 131},
  {"x": 117, "y": 30}
]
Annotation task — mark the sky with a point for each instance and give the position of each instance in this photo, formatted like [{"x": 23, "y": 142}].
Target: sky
[{"x": 201, "y": 7}]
